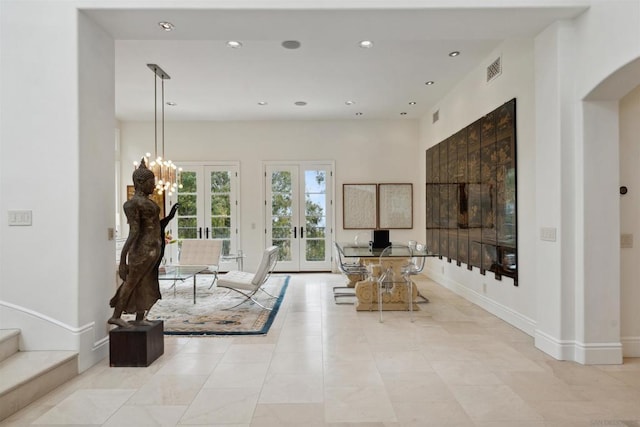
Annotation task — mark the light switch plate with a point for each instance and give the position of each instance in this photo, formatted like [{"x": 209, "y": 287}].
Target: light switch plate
[{"x": 20, "y": 218}]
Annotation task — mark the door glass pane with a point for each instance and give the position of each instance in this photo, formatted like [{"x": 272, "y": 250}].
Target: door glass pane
[
  {"x": 221, "y": 208},
  {"x": 187, "y": 214},
  {"x": 281, "y": 213},
  {"x": 315, "y": 214}
]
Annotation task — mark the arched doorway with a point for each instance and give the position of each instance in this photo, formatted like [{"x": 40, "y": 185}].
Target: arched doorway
[{"x": 610, "y": 285}]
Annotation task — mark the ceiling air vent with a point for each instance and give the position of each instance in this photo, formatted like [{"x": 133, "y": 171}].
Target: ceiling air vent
[
  {"x": 436, "y": 116},
  {"x": 494, "y": 69}
]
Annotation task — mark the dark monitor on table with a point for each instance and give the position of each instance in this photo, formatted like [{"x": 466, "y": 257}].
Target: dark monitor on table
[{"x": 379, "y": 239}]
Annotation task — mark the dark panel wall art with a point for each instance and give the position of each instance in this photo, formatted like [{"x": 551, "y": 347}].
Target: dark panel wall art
[{"x": 471, "y": 195}]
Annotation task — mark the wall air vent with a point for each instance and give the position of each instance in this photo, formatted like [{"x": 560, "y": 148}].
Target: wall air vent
[
  {"x": 494, "y": 69},
  {"x": 436, "y": 116}
]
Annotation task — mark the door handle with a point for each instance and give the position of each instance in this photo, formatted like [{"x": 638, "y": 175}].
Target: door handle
[
  {"x": 301, "y": 232},
  {"x": 206, "y": 232},
  {"x": 200, "y": 232},
  {"x": 294, "y": 233}
]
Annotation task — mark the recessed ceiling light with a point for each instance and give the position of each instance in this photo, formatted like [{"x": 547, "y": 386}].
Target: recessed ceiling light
[
  {"x": 167, "y": 26},
  {"x": 430, "y": 82},
  {"x": 349, "y": 102},
  {"x": 291, "y": 44},
  {"x": 403, "y": 113},
  {"x": 300, "y": 103},
  {"x": 454, "y": 53},
  {"x": 413, "y": 103},
  {"x": 365, "y": 44},
  {"x": 171, "y": 104},
  {"x": 358, "y": 113},
  {"x": 234, "y": 44},
  {"x": 262, "y": 103}
]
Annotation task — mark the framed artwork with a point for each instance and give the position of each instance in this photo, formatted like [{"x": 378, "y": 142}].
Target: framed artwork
[
  {"x": 359, "y": 206},
  {"x": 395, "y": 203},
  {"x": 158, "y": 198}
]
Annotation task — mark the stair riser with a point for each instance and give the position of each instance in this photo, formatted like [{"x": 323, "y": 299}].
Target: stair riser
[
  {"x": 9, "y": 346},
  {"x": 37, "y": 387}
]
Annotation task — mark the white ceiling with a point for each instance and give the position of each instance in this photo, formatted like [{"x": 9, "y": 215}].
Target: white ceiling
[{"x": 210, "y": 81}]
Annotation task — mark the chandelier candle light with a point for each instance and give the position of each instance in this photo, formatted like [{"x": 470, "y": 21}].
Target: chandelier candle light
[{"x": 166, "y": 172}]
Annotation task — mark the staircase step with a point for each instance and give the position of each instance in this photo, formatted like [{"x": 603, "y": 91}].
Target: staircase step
[
  {"x": 29, "y": 375},
  {"x": 9, "y": 341}
]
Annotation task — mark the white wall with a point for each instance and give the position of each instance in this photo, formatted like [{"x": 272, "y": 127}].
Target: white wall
[
  {"x": 31, "y": 295},
  {"x": 568, "y": 174},
  {"x": 97, "y": 190},
  {"x": 39, "y": 139},
  {"x": 363, "y": 150},
  {"x": 56, "y": 140},
  {"x": 472, "y": 98},
  {"x": 555, "y": 180},
  {"x": 608, "y": 47},
  {"x": 630, "y": 222}
]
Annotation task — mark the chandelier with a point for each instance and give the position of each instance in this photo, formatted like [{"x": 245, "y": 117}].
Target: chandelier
[{"x": 166, "y": 172}]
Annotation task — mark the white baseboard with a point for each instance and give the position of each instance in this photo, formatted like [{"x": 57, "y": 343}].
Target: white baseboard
[
  {"x": 561, "y": 350},
  {"x": 599, "y": 353},
  {"x": 505, "y": 313},
  {"x": 588, "y": 354},
  {"x": 630, "y": 346},
  {"x": 42, "y": 332}
]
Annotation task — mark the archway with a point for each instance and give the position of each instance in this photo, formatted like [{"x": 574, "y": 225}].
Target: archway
[{"x": 608, "y": 288}]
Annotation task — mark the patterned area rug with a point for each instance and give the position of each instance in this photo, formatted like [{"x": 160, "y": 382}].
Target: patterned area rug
[{"x": 211, "y": 314}]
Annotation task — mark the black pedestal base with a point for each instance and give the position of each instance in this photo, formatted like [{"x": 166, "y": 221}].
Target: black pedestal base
[{"x": 136, "y": 346}]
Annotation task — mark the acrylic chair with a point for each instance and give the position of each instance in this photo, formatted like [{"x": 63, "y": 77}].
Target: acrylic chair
[
  {"x": 248, "y": 284},
  {"x": 414, "y": 267},
  {"x": 354, "y": 271},
  {"x": 390, "y": 278}
]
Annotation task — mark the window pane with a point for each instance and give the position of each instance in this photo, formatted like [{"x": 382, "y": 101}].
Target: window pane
[
  {"x": 188, "y": 204},
  {"x": 220, "y": 205},
  {"x": 223, "y": 221},
  {"x": 281, "y": 182},
  {"x": 220, "y": 233},
  {"x": 187, "y": 228},
  {"x": 220, "y": 182},
  {"x": 284, "y": 254},
  {"x": 281, "y": 204},
  {"x": 281, "y": 232},
  {"x": 315, "y": 250},
  {"x": 188, "y": 181},
  {"x": 314, "y": 232}
]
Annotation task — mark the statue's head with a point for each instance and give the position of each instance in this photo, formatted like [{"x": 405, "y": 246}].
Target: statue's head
[{"x": 142, "y": 174}]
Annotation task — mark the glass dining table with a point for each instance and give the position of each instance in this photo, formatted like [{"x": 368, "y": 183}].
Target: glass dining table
[
  {"x": 351, "y": 250},
  {"x": 396, "y": 256}
]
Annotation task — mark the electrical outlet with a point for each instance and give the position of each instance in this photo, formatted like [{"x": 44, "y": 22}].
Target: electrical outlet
[
  {"x": 484, "y": 288},
  {"x": 626, "y": 241},
  {"x": 442, "y": 269},
  {"x": 548, "y": 234}
]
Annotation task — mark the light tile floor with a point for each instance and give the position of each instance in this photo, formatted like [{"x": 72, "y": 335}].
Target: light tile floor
[{"x": 324, "y": 364}]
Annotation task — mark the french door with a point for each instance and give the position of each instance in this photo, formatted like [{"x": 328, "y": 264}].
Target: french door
[
  {"x": 209, "y": 206},
  {"x": 299, "y": 214}
]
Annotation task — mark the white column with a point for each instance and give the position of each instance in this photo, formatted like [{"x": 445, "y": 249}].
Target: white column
[
  {"x": 555, "y": 162},
  {"x": 598, "y": 293}
]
